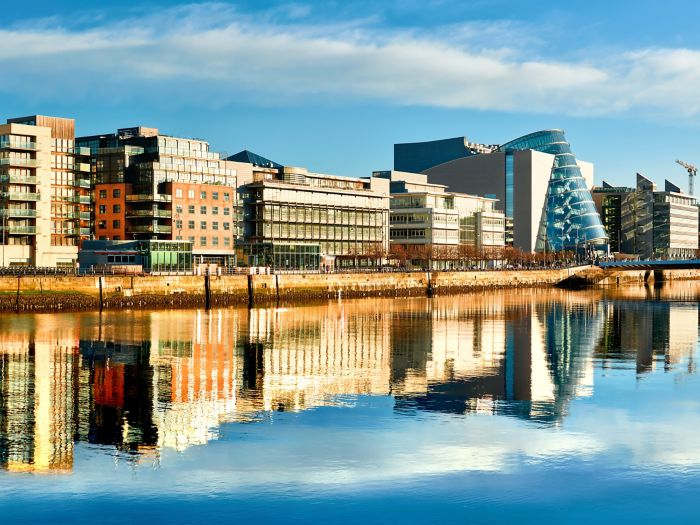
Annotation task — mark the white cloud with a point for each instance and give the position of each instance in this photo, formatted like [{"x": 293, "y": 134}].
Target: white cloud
[{"x": 210, "y": 54}]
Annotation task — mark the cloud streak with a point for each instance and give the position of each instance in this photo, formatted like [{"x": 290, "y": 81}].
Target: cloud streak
[{"x": 209, "y": 54}]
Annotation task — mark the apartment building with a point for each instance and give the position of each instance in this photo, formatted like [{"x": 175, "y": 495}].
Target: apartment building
[
  {"x": 154, "y": 186},
  {"x": 44, "y": 192}
]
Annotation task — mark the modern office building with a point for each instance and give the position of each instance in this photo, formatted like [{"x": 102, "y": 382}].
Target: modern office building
[
  {"x": 658, "y": 224},
  {"x": 154, "y": 186},
  {"x": 427, "y": 215},
  {"x": 608, "y": 200},
  {"x": 44, "y": 192},
  {"x": 543, "y": 190},
  {"x": 293, "y": 218}
]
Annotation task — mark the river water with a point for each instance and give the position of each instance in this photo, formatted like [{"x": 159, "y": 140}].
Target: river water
[{"x": 531, "y": 405}]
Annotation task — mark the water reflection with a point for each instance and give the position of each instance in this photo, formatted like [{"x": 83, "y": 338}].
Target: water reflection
[{"x": 141, "y": 382}]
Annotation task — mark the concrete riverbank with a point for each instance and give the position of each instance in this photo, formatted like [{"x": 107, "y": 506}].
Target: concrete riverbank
[{"x": 57, "y": 293}]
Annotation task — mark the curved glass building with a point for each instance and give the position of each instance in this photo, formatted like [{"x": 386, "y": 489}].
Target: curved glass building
[{"x": 569, "y": 220}]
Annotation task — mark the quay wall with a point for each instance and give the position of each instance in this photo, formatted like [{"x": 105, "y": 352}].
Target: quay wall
[{"x": 55, "y": 293}]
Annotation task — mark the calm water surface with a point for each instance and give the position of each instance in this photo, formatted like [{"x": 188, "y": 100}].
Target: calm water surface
[{"x": 535, "y": 406}]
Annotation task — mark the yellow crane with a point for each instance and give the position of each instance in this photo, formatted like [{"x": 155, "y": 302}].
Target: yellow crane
[{"x": 692, "y": 172}]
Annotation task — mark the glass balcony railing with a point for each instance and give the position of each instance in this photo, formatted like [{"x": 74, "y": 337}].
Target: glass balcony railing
[
  {"x": 150, "y": 229},
  {"x": 13, "y": 161},
  {"x": 150, "y": 213},
  {"x": 84, "y": 215},
  {"x": 84, "y": 199},
  {"x": 85, "y": 231},
  {"x": 18, "y": 145},
  {"x": 148, "y": 197},
  {"x": 14, "y": 212},
  {"x": 18, "y": 179},
  {"x": 84, "y": 183},
  {"x": 81, "y": 166},
  {"x": 20, "y": 230},
  {"x": 20, "y": 196}
]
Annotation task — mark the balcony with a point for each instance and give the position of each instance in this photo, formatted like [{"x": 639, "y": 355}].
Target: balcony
[
  {"x": 83, "y": 152},
  {"x": 18, "y": 179},
  {"x": 81, "y": 166},
  {"x": 15, "y": 212},
  {"x": 84, "y": 199},
  {"x": 148, "y": 197},
  {"x": 150, "y": 229},
  {"x": 20, "y": 230},
  {"x": 22, "y": 163},
  {"x": 18, "y": 145},
  {"x": 20, "y": 196},
  {"x": 85, "y": 216},
  {"x": 85, "y": 231},
  {"x": 84, "y": 183},
  {"x": 164, "y": 214}
]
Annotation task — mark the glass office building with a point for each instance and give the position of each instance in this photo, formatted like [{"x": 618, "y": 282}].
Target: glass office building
[{"x": 570, "y": 220}]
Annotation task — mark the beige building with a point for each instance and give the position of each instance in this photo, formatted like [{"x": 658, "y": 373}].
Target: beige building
[
  {"x": 44, "y": 192},
  {"x": 425, "y": 214}
]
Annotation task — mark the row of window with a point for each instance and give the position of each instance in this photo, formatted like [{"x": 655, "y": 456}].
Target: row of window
[
  {"x": 116, "y": 193},
  {"x": 202, "y": 225},
  {"x": 202, "y": 195},
  {"x": 204, "y": 240},
  {"x": 202, "y": 209}
]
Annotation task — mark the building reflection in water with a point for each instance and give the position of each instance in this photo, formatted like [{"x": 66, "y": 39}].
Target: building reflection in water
[{"x": 141, "y": 382}]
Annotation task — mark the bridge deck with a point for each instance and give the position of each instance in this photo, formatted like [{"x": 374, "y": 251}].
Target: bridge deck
[{"x": 675, "y": 264}]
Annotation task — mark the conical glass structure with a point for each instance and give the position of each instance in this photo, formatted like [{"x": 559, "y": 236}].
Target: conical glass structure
[{"x": 570, "y": 220}]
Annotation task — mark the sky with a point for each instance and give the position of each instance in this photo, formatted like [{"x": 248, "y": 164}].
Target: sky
[{"x": 333, "y": 85}]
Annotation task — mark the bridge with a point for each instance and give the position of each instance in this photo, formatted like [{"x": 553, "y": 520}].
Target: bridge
[{"x": 652, "y": 270}]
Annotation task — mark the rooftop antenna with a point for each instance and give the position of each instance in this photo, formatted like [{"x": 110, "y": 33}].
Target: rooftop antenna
[{"x": 692, "y": 172}]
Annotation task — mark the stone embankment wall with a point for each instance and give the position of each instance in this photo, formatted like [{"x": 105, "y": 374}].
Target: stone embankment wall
[{"x": 51, "y": 293}]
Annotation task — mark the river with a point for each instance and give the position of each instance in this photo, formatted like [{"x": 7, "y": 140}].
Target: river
[{"x": 528, "y": 405}]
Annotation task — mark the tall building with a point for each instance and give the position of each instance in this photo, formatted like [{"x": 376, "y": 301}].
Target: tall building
[
  {"x": 427, "y": 215},
  {"x": 44, "y": 192},
  {"x": 659, "y": 224},
  {"x": 608, "y": 201},
  {"x": 543, "y": 189},
  {"x": 154, "y": 186},
  {"x": 293, "y": 218}
]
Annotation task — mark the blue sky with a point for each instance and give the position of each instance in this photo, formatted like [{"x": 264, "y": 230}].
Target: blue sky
[{"x": 333, "y": 85}]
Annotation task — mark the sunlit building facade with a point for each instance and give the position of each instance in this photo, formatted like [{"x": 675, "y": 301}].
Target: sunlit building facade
[
  {"x": 543, "y": 189},
  {"x": 296, "y": 219},
  {"x": 44, "y": 192}
]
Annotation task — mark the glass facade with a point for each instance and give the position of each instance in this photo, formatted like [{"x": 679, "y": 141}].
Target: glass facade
[{"x": 570, "y": 220}]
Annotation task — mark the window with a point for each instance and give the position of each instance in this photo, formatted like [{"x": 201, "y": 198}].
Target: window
[
  {"x": 117, "y": 237},
  {"x": 190, "y": 208},
  {"x": 202, "y": 241},
  {"x": 103, "y": 194},
  {"x": 178, "y": 208},
  {"x": 190, "y": 225},
  {"x": 215, "y": 241},
  {"x": 103, "y": 209},
  {"x": 227, "y": 226},
  {"x": 116, "y": 224},
  {"x": 190, "y": 195},
  {"x": 203, "y": 210},
  {"x": 215, "y": 210},
  {"x": 191, "y": 239},
  {"x": 178, "y": 224},
  {"x": 203, "y": 225},
  {"x": 116, "y": 193},
  {"x": 214, "y": 225},
  {"x": 178, "y": 193},
  {"x": 227, "y": 211},
  {"x": 116, "y": 208},
  {"x": 102, "y": 225},
  {"x": 227, "y": 241},
  {"x": 227, "y": 196},
  {"x": 215, "y": 195},
  {"x": 203, "y": 194}
]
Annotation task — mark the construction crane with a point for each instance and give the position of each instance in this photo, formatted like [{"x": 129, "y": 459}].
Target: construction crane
[{"x": 692, "y": 172}]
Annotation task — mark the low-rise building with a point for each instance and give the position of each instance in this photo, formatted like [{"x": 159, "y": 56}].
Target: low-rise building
[
  {"x": 136, "y": 256},
  {"x": 651, "y": 224},
  {"x": 426, "y": 215},
  {"x": 296, "y": 219}
]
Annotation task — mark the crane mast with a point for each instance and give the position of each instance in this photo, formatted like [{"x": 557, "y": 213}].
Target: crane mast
[{"x": 692, "y": 172}]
